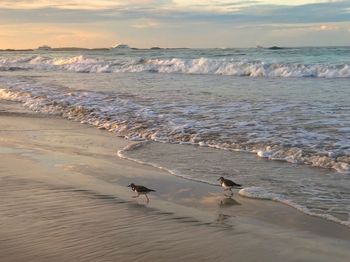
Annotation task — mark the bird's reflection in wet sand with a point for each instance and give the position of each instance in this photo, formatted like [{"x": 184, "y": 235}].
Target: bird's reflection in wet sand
[
  {"x": 228, "y": 202},
  {"x": 224, "y": 219}
]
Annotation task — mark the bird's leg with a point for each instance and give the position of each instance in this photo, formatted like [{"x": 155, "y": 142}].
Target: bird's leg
[
  {"x": 147, "y": 198},
  {"x": 230, "y": 194},
  {"x": 136, "y": 196}
]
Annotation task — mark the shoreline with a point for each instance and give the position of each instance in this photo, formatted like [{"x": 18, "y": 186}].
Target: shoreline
[
  {"x": 249, "y": 192},
  {"x": 67, "y": 156}
]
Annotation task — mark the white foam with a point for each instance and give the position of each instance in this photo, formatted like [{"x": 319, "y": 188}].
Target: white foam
[
  {"x": 264, "y": 154},
  {"x": 224, "y": 66},
  {"x": 136, "y": 122},
  {"x": 258, "y": 193}
]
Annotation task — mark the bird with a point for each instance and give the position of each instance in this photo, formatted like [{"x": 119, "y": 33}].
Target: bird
[
  {"x": 228, "y": 184},
  {"x": 140, "y": 190}
]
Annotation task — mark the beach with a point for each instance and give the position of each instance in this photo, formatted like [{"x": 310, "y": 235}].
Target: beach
[
  {"x": 172, "y": 130},
  {"x": 64, "y": 196}
]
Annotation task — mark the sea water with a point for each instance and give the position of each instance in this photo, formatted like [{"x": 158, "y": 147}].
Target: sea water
[{"x": 287, "y": 107}]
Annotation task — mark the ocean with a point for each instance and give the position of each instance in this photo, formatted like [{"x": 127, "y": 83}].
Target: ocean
[{"x": 276, "y": 121}]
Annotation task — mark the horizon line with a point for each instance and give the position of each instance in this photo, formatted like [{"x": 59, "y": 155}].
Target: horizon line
[{"x": 158, "y": 47}]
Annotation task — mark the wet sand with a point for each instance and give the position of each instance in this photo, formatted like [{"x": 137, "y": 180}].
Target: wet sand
[{"x": 63, "y": 196}]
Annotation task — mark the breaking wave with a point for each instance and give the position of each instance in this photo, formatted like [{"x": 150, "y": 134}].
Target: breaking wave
[{"x": 213, "y": 66}]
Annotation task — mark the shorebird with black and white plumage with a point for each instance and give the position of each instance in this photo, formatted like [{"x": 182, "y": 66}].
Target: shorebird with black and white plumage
[
  {"x": 140, "y": 190},
  {"x": 228, "y": 184}
]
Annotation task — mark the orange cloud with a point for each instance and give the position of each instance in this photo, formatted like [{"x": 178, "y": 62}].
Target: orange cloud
[
  {"x": 146, "y": 23},
  {"x": 327, "y": 28},
  {"x": 71, "y": 4},
  {"x": 34, "y": 35}
]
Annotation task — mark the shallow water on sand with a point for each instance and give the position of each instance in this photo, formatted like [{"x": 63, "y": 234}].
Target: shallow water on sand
[
  {"x": 46, "y": 222},
  {"x": 312, "y": 190}
]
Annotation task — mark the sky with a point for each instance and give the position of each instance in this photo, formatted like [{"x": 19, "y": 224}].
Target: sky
[{"x": 174, "y": 23}]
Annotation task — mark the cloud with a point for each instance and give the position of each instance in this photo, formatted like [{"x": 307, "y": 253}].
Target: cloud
[
  {"x": 301, "y": 27},
  {"x": 328, "y": 27},
  {"x": 228, "y": 6},
  {"x": 71, "y": 4},
  {"x": 33, "y": 35},
  {"x": 146, "y": 23},
  {"x": 178, "y": 22},
  {"x": 213, "y": 11},
  {"x": 223, "y": 6}
]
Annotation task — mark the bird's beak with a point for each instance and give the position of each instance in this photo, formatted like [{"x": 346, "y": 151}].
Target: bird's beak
[
  {"x": 218, "y": 179},
  {"x": 129, "y": 185}
]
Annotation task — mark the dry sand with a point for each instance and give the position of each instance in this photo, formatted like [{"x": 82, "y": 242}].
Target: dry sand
[{"x": 63, "y": 197}]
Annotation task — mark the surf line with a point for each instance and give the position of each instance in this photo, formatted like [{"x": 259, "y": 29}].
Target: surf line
[{"x": 136, "y": 145}]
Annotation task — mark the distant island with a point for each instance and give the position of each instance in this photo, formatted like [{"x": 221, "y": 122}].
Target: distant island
[
  {"x": 49, "y": 48},
  {"x": 46, "y": 48},
  {"x": 120, "y": 46},
  {"x": 276, "y": 47},
  {"x": 15, "y": 50}
]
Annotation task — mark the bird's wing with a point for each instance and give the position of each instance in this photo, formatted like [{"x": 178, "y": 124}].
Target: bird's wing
[
  {"x": 143, "y": 189},
  {"x": 231, "y": 183}
]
